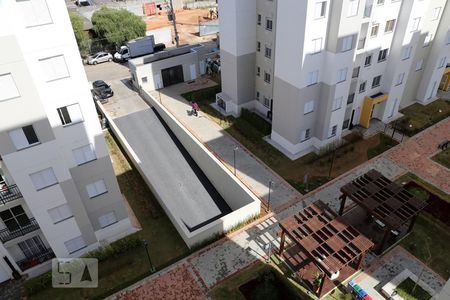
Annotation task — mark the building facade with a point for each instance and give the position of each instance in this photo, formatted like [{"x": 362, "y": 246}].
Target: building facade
[
  {"x": 58, "y": 192},
  {"x": 317, "y": 68}
]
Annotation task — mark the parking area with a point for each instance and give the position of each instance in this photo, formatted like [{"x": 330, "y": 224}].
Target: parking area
[{"x": 125, "y": 100}]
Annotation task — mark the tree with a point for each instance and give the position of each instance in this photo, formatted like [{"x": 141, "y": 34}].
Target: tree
[
  {"x": 80, "y": 35},
  {"x": 117, "y": 26}
]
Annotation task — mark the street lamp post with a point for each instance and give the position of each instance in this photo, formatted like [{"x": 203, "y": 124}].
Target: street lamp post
[
  {"x": 268, "y": 199},
  {"x": 145, "y": 243},
  {"x": 236, "y": 148}
]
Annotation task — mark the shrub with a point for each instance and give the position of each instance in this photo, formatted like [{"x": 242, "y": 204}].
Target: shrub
[
  {"x": 39, "y": 283},
  {"x": 115, "y": 248},
  {"x": 207, "y": 94},
  {"x": 257, "y": 121}
]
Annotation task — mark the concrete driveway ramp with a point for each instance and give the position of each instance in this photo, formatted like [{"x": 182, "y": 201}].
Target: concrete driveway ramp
[{"x": 175, "y": 177}]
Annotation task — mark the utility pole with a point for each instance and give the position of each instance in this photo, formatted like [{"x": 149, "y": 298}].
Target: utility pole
[{"x": 174, "y": 21}]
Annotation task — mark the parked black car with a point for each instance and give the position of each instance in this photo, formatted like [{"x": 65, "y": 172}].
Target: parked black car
[{"x": 101, "y": 90}]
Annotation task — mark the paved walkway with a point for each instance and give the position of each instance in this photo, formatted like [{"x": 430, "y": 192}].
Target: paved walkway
[
  {"x": 215, "y": 263},
  {"x": 414, "y": 155},
  {"x": 250, "y": 170},
  {"x": 392, "y": 264}
]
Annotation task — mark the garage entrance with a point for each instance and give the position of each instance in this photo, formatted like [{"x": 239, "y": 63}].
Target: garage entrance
[{"x": 172, "y": 75}]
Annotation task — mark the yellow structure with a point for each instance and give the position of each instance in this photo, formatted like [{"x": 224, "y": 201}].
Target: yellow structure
[
  {"x": 445, "y": 81},
  {"x": 367, "y": 109}
]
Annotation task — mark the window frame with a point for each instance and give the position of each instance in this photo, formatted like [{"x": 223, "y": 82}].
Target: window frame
[
  {"x": 308, "y": 107},
  {"x": 12, "y": 136},
  {"x": 378, "y": 77},
  {"x": 53, "y": 181},
  {"x": 389, "y": 30},
  {"x": 98, "y": 193},
  {"x": 64, "y": 114}
]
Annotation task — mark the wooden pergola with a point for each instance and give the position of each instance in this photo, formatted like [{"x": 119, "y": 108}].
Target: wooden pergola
[
  {"x": 383, "y": 199},
  {"x": 325, "y": 239}
]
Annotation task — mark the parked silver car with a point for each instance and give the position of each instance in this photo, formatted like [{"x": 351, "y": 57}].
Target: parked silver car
[{"x": 99, "y": 57}]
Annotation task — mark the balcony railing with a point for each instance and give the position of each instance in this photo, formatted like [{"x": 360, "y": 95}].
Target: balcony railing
[
  {"x": 7, "y": 235},
  {"x": 9, "y": 193},
  {"x": 38, "y": 259}
]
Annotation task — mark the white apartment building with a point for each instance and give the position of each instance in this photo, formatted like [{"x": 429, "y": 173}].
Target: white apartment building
[
  {"x": 59, "y": 195},
  {"x": 320, "y": 67}
]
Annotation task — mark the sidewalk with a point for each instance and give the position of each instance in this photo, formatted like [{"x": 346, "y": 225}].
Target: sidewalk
[{"x": 250, "y": 170}]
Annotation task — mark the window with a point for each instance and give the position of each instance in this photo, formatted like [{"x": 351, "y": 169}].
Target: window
[
  {"x": 313, "y": 77},
  {"x": 269, "y": 24},
  {"x": 419, "y": 64},
  {"x": 14, "y": 218},
  {"x": 258, "y": 71},
  {"x": 34, "y": 12},
  {"x": 355, "y": 72},
  {"x": 266, "y": 77},
  {"x": 60, "y": 213},
  {"x": 32, "y": 247},
  {"x": 43, "y": 179},
  {"x": 362, "y": 87},
  {"x": 268, "y": 52},
  {"x": 257, "y": 95},
  {"x": 431, "y": 91},
  {"x": 54, "y": 68},
  {"x": 320, "y": 10},
  {"x": 427, "y": 40},
  {"x": 84, "y": 154},
  {"x": 350, "y": 98},
  {"x": 337, "y": 103},
  {"x": 332, "y": 131},
  {"x": 8, "y": 88},
  {"x": 376, "y": 81},
  {"x": 259, "y": 19},
  {"x": 368, "y": 60},
  {"x": 352, "y": 8},
  {"x": 316, "y": 45},
  {"x": 347, "y": 43},
  {"x": 382, "y": 55},
  {"x": 380, "y": 2},
  {"x": 345, "y": 124},
  {"x": 75, "y": 244},
  {"x": 436, "y": 13},
  {"x": 367, "y": 11},
  {"x": 341, "y": 75},
  {"x": 305, "y": 135},
  {"x": 258, "y": 46},
  {"x": 96, "y": 188},
  {"x": 309, "y": 107},
  {"x": 400, "y": 78},
  {"x": 415, "y": 24},
  {"x": 448, "y": 40},
  {"x": 144, "y": 79},
  {"x": 266, "y": 102},
  {"x": 442, "y": 62},
  {"x": 389, "y": 26},
  {"x": 406, "y": 52},
  {"x": 392, "y": 105},
  {"x": 107, "y": 219},
  {"x": 70, "y": 114},
  {"x": 24, "y": 137},
  {"x": 374, "y": 31}
]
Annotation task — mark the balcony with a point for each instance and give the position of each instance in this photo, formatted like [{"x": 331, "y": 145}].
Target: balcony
[
  {"x": 7, "y": 235},
  {"x": 9, "y": 193},
  {"x": 38, "y": 259}
]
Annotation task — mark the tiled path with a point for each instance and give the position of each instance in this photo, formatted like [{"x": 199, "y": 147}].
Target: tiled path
[
  {"x": 414, "y": 155},
  {"x": 228, "y": 256}
]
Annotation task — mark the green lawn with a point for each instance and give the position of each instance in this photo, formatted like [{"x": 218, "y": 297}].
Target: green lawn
[
  {"x": 443, "y": 158},
  {"x": 405, "y": 290},
  {"x": 386, "y": 143},
  {"x": 421, "y": 116},
  {"x": 165, "y": 244},
  {"x": 230, "y": 288},
  {"x": 428, "y": 230},
  {"x": 411, "y": 177}
]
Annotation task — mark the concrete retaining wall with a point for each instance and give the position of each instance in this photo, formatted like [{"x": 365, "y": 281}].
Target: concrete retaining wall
[{"x": 240, "y": 199}]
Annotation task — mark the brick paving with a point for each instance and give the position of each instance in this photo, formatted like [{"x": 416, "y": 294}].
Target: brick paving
[
  {"x": 414, "y": 155},
  {"x": 177, "y": 283},
  {"x": 200, "y": 272}
]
